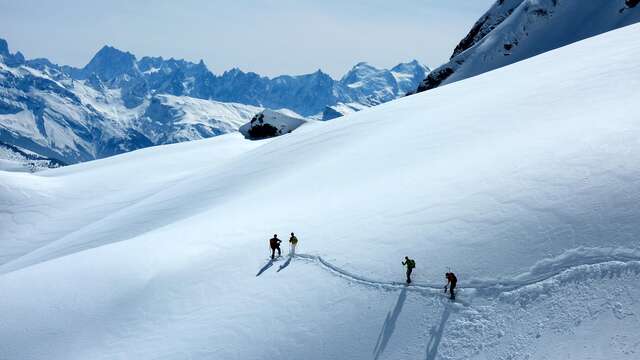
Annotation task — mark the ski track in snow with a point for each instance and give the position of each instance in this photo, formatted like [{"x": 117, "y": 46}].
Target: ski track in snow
[{"x": 575, "y": 264}]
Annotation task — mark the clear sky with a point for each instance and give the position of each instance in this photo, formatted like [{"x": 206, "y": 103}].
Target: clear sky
[{"x": 270, "y": 37}]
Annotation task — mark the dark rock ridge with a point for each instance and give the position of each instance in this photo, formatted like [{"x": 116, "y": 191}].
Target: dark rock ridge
[{"x": 514, "y": 30}]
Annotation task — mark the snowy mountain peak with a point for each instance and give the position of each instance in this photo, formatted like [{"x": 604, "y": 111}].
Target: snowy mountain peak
[
  {"x": 413, "y": 65},
  {"x": 319, "y": 72},
  {"x": 360, "y": 71},
  {"x": 4, "y": 47},
  {"x": 363, "y": 66},
  {"x": 386, "y": 84},
  {"x": 233, "y": 71},
  {"x": 108, "y": 52},
  {"x": 7, "y": 58},
  {"x": 408, "y": 74},
  {"x": 110, "y": 63}
]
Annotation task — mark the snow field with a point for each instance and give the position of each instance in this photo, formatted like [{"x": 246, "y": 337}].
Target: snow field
[{"x": 523, "y": 181}]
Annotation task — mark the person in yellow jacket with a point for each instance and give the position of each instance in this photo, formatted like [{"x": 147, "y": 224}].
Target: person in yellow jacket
[{"x": 293, "y": 241}]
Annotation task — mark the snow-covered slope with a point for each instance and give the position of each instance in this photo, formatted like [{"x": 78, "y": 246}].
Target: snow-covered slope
[
  {"x": 523, "y": 181},
  {"x": 513, "y": 30}
]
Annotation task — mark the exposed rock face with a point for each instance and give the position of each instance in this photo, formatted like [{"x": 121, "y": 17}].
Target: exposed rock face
[
  {"x": 269, "y": 123},
  {"x": 9, "y": 59},
  {"x": 514, "y": 30},
  {"x": 330, "y": 113},
  {"x": 435, "y": 78},
  {"x": 112, "y": 64}
]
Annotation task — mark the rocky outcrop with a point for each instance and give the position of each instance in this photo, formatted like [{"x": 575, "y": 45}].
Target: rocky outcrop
[{"x": 514, "y": 30}]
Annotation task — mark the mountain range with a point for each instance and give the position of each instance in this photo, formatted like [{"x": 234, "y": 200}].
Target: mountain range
[
  {"x": 117, "y": 103},
  {"x": 307, "y": 95}
]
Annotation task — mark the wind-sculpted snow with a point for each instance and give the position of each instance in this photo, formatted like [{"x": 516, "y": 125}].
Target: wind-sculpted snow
[
  {"x": 523, "y": 181},
  {"x": 529, "y": 292}
]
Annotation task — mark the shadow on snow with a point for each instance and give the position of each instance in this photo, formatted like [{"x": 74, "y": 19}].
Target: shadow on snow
[
  {"x": 436, "y": 334},
  {"x": 389, "y": 324},
  {"x": 286, "y": 263},
  {"x": 265, "y": 267}
]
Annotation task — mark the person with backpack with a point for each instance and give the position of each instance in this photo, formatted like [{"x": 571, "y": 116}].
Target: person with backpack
[
  {"x": 274, "y": 243},
  {"x": 452, "y": 281},
  {"x": 410, "y": 264},
  {"x": 293, "y": 241}
]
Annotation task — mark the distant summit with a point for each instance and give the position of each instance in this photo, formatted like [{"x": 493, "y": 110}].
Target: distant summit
[
  {"x": 7, "y": 57},
  {"x": 109, "y": 63},
  {"x": 4, "y": 47}
]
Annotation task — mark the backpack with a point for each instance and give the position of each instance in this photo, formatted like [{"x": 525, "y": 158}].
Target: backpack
[{"x": 411, "y": 263}]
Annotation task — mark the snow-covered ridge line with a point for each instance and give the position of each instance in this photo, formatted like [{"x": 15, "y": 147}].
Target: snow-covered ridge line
[
  {"x": 515, "y": 30},
  {"x": 542, "y": 271}
]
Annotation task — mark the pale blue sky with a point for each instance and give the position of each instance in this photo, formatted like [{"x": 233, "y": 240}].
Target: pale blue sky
[{"x": 270, "y": 37}]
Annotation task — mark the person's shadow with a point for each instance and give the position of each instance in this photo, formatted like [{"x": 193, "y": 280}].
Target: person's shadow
[
  {"x": 265, "y": 267},
  {"x": 286, "y": 263},
  {"x": 436, "y": 334},
  {"x": 389, "y": 324}
]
